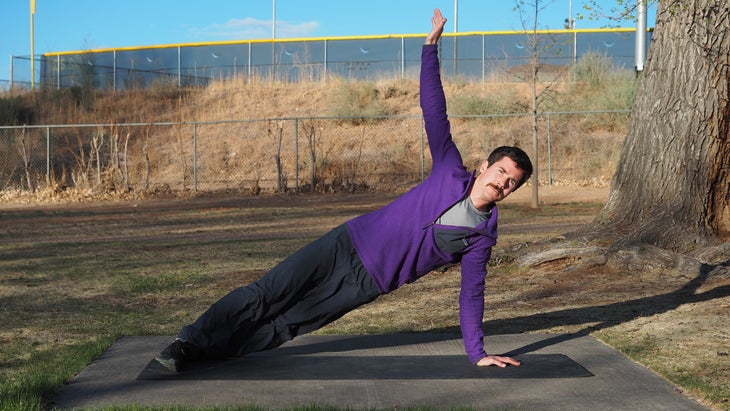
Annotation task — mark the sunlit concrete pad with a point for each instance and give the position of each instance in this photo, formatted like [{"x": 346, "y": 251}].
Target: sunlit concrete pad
[{"x": 559, "y": 371}]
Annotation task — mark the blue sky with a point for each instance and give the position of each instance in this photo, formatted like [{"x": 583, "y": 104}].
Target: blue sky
[{"x": 65, "y": 25}]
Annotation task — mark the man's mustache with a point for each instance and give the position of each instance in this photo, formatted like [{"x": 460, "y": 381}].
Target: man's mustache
[{"x": 496, "y": 187}]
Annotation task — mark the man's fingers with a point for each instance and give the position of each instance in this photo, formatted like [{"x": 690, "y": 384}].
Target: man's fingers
[
  {"x": 497, "y": 360},
  {"x": 509, "y": 360}
]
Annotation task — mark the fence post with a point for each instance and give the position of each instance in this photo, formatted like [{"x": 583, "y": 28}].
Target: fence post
[
  {"x": 402, "y": 57},
  {"x": 484, "y": 68},
  {"x": 324, "y": 63},
  {"x": 179, "y": 68},
  {"x": 296, "y": 155},
  {"x": 549, "y": 150},
  {"x": 114, "y": 70},
  {"x": 195, "y": 157},
  {"x": 48, "y": 156},
  {"x": 248, "y": 65}
]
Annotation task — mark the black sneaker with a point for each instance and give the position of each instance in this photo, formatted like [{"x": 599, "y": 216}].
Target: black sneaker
[{"x": 175, "y": 355}]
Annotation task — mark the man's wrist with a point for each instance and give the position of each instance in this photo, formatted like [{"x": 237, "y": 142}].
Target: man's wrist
[{"x": 483, "y": 356}]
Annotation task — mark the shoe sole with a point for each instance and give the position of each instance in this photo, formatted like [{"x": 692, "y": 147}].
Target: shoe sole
[{"x": 170, "y": 363}]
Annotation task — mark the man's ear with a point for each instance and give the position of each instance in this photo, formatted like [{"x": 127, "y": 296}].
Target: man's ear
[{"x": 484, "y": 166}]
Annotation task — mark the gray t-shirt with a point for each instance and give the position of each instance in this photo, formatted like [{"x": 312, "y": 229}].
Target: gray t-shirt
[{"x": 461, "y": 214}]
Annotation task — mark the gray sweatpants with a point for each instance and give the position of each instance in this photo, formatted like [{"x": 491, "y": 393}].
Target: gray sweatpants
[{"x": 311, "y": 288}]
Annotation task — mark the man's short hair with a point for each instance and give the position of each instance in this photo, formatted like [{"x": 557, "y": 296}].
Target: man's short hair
[{"x": 518, "y": 156}]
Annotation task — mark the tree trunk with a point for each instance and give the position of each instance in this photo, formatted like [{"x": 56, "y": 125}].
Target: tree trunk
[{"x": 672, "y": 185}]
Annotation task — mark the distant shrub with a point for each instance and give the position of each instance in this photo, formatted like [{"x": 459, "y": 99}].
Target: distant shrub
[
  {"x": 593, "y": 69},
  {"x": 13, "y": 111},
  {"x": 601, "y": 85},
  {"x": 355, "y": 101},
  {"x": 473, "y": 104},
  {"x": 165, "y": 88}
]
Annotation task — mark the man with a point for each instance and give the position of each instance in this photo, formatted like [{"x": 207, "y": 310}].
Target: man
[{"x": 451, "y": 217}]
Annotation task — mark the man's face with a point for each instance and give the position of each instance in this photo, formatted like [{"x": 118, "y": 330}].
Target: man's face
[{"x": 495, "y": 182}]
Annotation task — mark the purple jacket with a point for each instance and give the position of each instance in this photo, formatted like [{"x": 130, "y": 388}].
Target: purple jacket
[{"x": 396, "y": 243}]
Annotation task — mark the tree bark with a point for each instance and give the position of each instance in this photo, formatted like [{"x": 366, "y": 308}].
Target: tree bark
[{"x": 672, "y": 185}]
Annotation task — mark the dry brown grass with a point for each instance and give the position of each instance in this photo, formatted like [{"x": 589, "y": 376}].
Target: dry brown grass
[
  {"x": 87, "y": 272},
  {"x": 351, "y": 153}
]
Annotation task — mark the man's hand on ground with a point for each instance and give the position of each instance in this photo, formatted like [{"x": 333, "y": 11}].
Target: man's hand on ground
[{"x": 498, "y": 361}]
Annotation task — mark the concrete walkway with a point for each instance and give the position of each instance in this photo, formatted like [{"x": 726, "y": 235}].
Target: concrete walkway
[{"x": 559, "y": 372}]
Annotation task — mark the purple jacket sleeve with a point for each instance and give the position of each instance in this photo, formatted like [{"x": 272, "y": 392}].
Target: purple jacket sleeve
[
  {"x": 471, "y": 301},
  {"x": 433, "y": 105}
]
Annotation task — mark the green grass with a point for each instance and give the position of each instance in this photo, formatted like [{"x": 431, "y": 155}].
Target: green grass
[
  {"x": 637, "y": 349},
  {"x": 701, "y": 375},
  {"x": 44, "y": 371}
]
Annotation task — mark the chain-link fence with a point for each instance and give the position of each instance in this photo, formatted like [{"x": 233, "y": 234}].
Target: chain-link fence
[
  {"x": 295, "y": 154},
  {"x": 473, "y": 56}
]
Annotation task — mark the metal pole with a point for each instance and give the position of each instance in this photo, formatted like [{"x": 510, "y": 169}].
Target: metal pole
[
  {"x": 550, "y": 152},
  {"x": 456, "y": 28},
  {"x": 325, "y": 61},
  {"x": 456, "y": 16},
  {"x": 32, "y": 45},
  {"x": 484, "y": 63},
  {"x": 273, "y": 37},
  {"x": 640, "y": 52},
  {"x": 575, "y": 37},
  {"x": 571, "y": 26},
  {"x": 296, "y": 155},
  {"x": 402, "y": 57},
  {"x": 195, "y": 157},
  {"x": 11, "y": 71},
  {"x": 114, "y": 71},
  {"x": 48, "y": 156},
  {"x": 179, "y": 67}
]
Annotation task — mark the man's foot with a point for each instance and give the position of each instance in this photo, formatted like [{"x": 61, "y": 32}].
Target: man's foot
[{"x": 175, "y": 355}]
